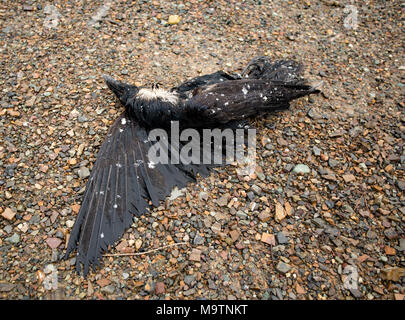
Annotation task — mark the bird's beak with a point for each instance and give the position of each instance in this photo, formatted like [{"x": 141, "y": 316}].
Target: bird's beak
[{"x": 115, "y": 86}]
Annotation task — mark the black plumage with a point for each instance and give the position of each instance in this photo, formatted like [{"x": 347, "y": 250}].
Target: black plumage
[{"x": 125, "y": 183}]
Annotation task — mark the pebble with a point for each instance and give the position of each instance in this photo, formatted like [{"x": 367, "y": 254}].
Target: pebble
[
  {"x": 223, "y": 201},
  {"x": 8, "y": 214},
  {"x": 301, "y": 168},
  {"x": 316, "y": 151},
  {"x": 83, "y": 172},
  {"x": 15, "y": 238},
  {"x": 110, "y": 289},
  {"x": 53, "y": 242},
  {"x": 281, "y": 238},
  {"x": 174, "y": 19},
  {"x": 195, "y": 255},
  {"x": 283, "y": 267},
  {"x": 198, "y": 240},
  {"x": 203, "y": 196},
  {"x": 160, "y": 288}
]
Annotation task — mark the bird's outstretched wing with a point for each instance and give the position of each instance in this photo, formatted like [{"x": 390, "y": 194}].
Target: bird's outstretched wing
[
  {"x": 227, "y": 101},
  {"x": 123, "y": 183}
]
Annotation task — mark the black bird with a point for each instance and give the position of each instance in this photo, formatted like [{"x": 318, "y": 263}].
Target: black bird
[{"x": 125, "y": 183}]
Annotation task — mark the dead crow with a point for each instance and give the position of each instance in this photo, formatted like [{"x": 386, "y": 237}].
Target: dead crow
[{"x": 125, "y": 183}]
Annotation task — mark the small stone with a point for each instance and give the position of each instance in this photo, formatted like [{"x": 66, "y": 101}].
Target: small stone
[
  {"x": 198, "y": 240},
  {"x": 301, "y": 168},
  {"x": 75, "y": 207},
  {"x": 15, "y": 238},
  {"x": 83, "y": 172},
  {"x": 332, "y": 163},
  {"x": 283, "y": 267},
  {"x": 223, "y": 201},
  {"x": 103, "y": 282},
  {"x": 401, "y": 246},
  {"x": 316, "y": 151},
  {"x": 5, "y": 287},
  {"x": 216, "y": 228},
  {"x": 264, "y": 216},
  {"x": 401, "y": 184},
  {"x": 299, "y": 289},
  {"x": 195, "y": 255},
  {"x": 268, "y": 238},
  {"x": 159, "y": 288},
  {"x": 138, "y": 243},
  {"x": 53, "y": 242},
  {"x": 70, "y": 223},
  {"x": 174, "y": 19},
  {"x": 241, "y": 214},
  {"x": 337, "y": 133},
  {"x": 392, "y": 273},
  {"x": 8, "y": 214},
  {"x": 108, "y": 289},
  {"x": 149, "y": 285},
  {"x": 234, "y": 235},
  {"x": 281, "y": 238},
  {"x": 399, "y": 296},
  {"x": 189, "y": 279},
  {"x": 349, "y": 178},
  {"x": 391, "y": 234},
  {"x": 280, "y": 212},
  {"x": 356, "y": 293},
  {"x": 203, "y": 196},
  {"x": 256, "y": 189},
  {"x": 389, "y": 251}
]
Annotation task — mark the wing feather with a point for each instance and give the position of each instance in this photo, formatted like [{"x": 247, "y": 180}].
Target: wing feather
[{"x": 122, "y": 184}]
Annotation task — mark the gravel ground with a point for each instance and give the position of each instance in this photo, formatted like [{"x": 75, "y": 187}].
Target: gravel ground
[{"x": 323, "y": 217}]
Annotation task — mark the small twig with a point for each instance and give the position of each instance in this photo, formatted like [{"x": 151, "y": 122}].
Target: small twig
[{"x": 142, "y": 253}]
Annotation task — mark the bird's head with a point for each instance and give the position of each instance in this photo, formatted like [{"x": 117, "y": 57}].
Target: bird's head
[
  {"x": 127, "y": 93},
  {"x": 122, "y": 90}
]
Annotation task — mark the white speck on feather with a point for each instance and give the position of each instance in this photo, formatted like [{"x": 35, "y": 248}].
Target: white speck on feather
[
  {"x": 118, "y": 196},
  {"x": 226, "y": 103},
  {"x": 119, "y": 165},
  {"x": 102, "y": 235},
  {"x": 121, "y": 130},
  {"x": 115, "y": 206},
  {"x": 101, "y": 192},
  {"x": 151, "y": 165},
  {"x": 244, "y": 90},
  {"x": 265, "y": 98},
  {"x": 137, "y": 163},
  {"x": 123, "y": 121}
]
